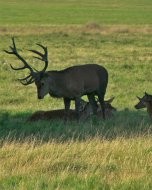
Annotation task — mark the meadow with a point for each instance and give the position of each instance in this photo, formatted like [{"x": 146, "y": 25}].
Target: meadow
[{"x": 111, "y": 155}]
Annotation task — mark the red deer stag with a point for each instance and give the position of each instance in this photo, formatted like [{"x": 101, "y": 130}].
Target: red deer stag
[
  {"x": 70, "y": 84},
  {"x": 85, "y": 112},
  {"x": 145, "y": 102}
]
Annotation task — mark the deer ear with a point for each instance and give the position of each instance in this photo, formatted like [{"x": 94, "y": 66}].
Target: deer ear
[
  {"x": 110, "y": 100},
  {"x": 138, "y": 98}
]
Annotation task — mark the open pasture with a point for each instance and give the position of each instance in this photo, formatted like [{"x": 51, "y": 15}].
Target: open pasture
[
  {"x": 58, "y": 12},
  {"x": 96, "y": 154}
]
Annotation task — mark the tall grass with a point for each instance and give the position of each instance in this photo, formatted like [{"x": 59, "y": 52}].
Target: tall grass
[{"x": 92, "y": 164}]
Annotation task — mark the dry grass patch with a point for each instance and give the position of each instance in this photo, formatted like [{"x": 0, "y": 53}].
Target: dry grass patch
[
  {"x": 91, "y": 28},
  {"x": 115, "y": 160}
]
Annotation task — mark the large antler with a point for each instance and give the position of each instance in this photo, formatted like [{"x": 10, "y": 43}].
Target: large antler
[
  {"x": 30, "y": 78},
  {"x": 43, "y": 57}
]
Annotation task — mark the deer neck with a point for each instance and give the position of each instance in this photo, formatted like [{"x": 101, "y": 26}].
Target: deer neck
[{"x": 56, "y": 84}]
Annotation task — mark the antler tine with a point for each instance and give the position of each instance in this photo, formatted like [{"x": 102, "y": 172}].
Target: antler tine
[
  {"x": 43, "y": 57},
  {"x": 16, "y": 69},
  {"x": 13, "y": 40},
  {"x": 43, "y": 47},
  {"x": 37, "y": 52},
  {"x": 14, "y": 51},
  {"x": 9, "y": 52},
  {"x": 26, "y": 77},
  {"x": 25, "y": 80}
]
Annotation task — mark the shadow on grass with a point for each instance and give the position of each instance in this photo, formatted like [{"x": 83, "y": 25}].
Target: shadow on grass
[{"x": 125, "y": 123}]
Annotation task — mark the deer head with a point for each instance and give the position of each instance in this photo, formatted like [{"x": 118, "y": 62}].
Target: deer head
[
  {"x": 143, "y": 101},
  {"x": 109, "y": 109},
  {"x": 108, "y": 105},
  {"x": 34, "y": 76}
]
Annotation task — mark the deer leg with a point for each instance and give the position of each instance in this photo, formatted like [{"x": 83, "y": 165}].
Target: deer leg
[
  {"x": 67, "y": 103},
  {"x": 77, "y": 107},
  {"x": 93, "y": 103},
  {"x": 102, "y": 103}
]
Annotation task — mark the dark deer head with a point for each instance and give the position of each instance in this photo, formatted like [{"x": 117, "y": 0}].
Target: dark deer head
[
  {"x": 108, "y": 105},
  {"x": 109, "y": 109},
  {"x": 143, "y": 101}
]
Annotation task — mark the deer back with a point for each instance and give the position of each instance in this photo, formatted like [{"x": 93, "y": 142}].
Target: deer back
[{"x": 51, "y": 115}]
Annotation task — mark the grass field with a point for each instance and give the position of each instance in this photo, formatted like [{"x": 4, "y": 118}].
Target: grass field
[
  {"x": 111, "y": 155},
  {"x": 75, "y": 12}
]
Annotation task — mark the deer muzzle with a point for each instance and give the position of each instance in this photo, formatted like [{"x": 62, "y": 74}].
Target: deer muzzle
[
  {"x": 140, "y": 105},
  {"x": 40, "y": 96}
]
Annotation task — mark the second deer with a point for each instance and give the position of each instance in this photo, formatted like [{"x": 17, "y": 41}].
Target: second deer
[
  {"x": 85, "y": 110},
  {"x": 145, "y": 102}
]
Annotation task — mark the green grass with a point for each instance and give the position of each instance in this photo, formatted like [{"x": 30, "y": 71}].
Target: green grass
[
  {"x": 112, "y": 154},
  {"x": 75, "y": 12},
  {"x": 127, "y": 57}
]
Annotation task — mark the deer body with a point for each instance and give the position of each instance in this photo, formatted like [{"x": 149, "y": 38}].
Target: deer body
[
  {"x": 51, "y": 115},
  {"x": 73, "y": 82}
]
